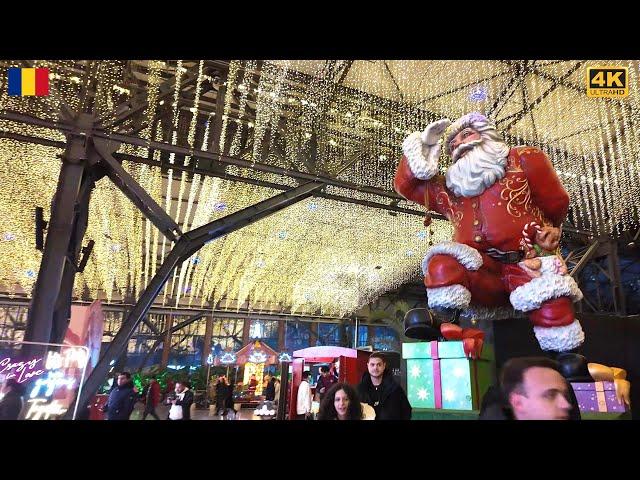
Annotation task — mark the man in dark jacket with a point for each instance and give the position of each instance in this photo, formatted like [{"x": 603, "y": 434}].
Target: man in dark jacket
[
  {"x": 152, "y": 399},
  {"x": 12, "y": 403},
  {"x": 325, "y": 382},
  {"x": 122, "y": 399},
  {"x": 378, "y": 389}
]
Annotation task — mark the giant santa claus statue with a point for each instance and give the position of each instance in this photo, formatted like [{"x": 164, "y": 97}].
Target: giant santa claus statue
[{"x": 506, "y": 207}]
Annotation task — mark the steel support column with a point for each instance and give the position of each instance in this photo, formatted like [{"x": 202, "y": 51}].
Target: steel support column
[
  {"x": 216, "y": 126},
  {"x": 62, "y": 312},
  {"x": 313, "y": 330},
  {"x": 246, "y": 328},
  {"x": 138, "y": 195},
  {"x": 617, "y": 292},
  {"x": 281, "y": 335},
  {"x": 61, "y": 226},
  {"x": 166, "y": 343},
  {"x": 206, "y": 348}
]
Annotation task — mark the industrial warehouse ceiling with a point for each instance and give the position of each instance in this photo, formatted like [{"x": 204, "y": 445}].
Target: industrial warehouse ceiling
[{"x": 328, "y": 255}]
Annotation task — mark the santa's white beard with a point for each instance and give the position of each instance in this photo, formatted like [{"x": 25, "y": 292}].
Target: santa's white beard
[{"x": 479, "y": 168}]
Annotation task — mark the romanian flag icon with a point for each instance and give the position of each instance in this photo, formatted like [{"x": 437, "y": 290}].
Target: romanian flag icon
[{"x": 28, "y": 82}]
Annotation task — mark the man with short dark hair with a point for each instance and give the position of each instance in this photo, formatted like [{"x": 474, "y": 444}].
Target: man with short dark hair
[
  {"x": 325, "y": 382},
  {"x": 535, "y": 390},
  {"x": 378, "y": 389},
  {"x": 122, "y": 399}
]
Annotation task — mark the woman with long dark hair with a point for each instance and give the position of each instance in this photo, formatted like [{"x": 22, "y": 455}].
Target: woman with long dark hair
[{"x": 341, "y": 402}]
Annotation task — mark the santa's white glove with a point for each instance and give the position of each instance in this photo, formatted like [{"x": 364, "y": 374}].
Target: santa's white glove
[
  {"x": 430, "y": 139},
  {"x": 434, "y": 131},
  {"x": 423, "y": 149}
]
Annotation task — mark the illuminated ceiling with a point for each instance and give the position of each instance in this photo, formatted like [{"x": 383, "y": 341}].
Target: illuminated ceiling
[{"x": 326, "y": 255}]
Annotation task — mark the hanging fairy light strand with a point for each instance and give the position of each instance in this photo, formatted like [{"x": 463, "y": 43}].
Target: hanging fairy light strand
[
  {"x": 183, "y": 177},
  {"x": 244, "y": 89},
  {"x": 180, "y": 70},
  {"x": 154, "y": 72}
]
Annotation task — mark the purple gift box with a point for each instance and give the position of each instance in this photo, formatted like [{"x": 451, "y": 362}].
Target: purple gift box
[{"x": 597, "y": 397}]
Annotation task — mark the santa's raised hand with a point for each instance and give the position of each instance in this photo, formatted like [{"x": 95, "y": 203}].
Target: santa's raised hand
[
  {"x": 423, "y": 149},
  {"x": 434, "y": 131}
]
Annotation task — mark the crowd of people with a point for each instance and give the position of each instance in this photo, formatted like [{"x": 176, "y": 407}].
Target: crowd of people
[
  {"x": 530, "y": 388},
  {"x": 123, "y": 397}
]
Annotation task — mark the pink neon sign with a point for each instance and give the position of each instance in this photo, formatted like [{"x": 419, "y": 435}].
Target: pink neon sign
[{"x": 21, "y": 371}]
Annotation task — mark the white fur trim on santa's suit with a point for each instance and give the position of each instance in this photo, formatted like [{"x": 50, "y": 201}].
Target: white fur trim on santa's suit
[
  {"x": 479, "y": 312},
  {"x": 422, "y": 158},
  {"x": 451, "y": 296},
  {"x": 533, "y": 294},
  {"x": 468, "y": 256},
  {"x": 560, "y": 339}
]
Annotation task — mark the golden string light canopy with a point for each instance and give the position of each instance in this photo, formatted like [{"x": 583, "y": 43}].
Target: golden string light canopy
[{"x": 345, "y": 118}]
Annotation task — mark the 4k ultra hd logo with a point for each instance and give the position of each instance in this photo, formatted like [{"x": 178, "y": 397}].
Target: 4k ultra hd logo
[{"x": 610, "y": 82}]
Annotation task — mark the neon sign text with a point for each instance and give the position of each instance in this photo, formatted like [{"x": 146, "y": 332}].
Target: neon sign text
[
  {"x": 70, "y": 357},
  {"x": 21, "y": 371},
  {"x": 39, "y": 409},
  {"x": 52, "y": 381}
]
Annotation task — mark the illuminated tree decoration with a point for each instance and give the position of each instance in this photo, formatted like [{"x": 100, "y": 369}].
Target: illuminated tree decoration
[
  {"x": 228, "y": 357},
  {"x": 284, "y": 357}
]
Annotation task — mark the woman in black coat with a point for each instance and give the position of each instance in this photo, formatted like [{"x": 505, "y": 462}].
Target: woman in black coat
[
  {"x": 270, "y": 391},
  {"x": 221, "y": 394}
]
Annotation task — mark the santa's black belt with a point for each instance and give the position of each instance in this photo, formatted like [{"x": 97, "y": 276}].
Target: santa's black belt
[{"x": 505, "y": 257}]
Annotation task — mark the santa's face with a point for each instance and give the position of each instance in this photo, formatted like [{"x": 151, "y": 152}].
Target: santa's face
[
  {"x": 466, "y": 135},
  {"x": 479, "y": 160}
]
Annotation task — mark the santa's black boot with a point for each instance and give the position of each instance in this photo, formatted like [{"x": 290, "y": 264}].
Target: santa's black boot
[
  {"x": 447, "y": 315},
  {"x": 573, "y": 367},
  {"x": 422, "y": 324}
]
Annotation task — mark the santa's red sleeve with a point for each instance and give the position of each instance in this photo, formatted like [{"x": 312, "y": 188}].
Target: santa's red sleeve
[
  {"x": 547, "y": 191},
  {"x": 407, "y": 184}
]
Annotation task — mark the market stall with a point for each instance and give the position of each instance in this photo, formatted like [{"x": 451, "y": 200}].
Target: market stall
[
  {"x": 253, "y": 359},
  {"x": 350, "y": 364}
]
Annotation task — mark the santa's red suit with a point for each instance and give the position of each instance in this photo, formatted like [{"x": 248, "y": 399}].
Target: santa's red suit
[{"x": 480, "y": 271}]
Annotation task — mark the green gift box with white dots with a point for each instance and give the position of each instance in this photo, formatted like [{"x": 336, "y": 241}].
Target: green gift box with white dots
[{"x": 462, "y": 381}]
